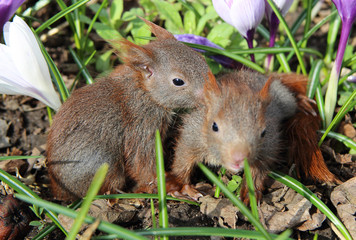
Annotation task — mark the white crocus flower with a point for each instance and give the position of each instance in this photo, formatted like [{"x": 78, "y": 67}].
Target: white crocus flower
[
  {"x": 23, "y": 69},
  {"x": 244, "y": 15}
]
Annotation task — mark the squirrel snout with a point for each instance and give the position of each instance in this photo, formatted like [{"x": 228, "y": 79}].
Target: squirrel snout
[{"x": 236, "y": 158}]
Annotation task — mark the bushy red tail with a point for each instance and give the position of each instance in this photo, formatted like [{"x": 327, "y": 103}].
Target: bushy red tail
[{"x": 301, "y": 131}]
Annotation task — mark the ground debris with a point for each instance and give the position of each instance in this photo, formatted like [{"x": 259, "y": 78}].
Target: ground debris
[{"x": 344, "y": 199}]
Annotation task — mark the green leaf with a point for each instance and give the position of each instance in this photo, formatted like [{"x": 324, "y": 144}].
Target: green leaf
[
  {"x": 232, "y": 185},
  {"x": 210, "y": 14},
  {"x": 103, "y": 16},
  {"x": 59, "y": 15},
  {"x": 169, "y": 13},
  {"x": 189, "y": 22},
  {"x": 106, "y": 32},
  {"x": 116, "y": 9},
  {"x": 102, "y": 63},
  {"x": 36, "y": 223},
  {"x": 220, "y": 34},
  {"x": 140, "y": 31}
]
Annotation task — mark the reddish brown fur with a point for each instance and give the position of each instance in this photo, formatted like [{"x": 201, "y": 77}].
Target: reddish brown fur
[
  {"x": 114, "y": 120},
  {"x": 301, "y": 131}
]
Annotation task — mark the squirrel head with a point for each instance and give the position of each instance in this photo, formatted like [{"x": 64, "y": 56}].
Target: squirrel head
[
  {"x": 235, "y": 125},
  {"x": 172, "y": 73}
]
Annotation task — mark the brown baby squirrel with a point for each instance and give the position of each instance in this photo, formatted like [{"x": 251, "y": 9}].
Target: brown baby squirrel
[
  {"x": 250, "y": 115},
  {"x": 114, "y": 120}
]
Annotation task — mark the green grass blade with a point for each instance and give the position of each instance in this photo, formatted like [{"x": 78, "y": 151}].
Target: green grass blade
[
  {"x": 251, "y": 189},
  {"x": 56, "y": 76},
  {"x": 153, "y": 216},
  {"x": 348, "y": 142},
  {"x": 103, "y": 226},
  {"x": 3, "y": 158},
  {"x": 289, "y": 34},
  {"x": 161, "y": 184},
  {"x": 94, "y": 188},
  {"x": 237, "y": 202},
  {"x": 283, "y": 62},
  {"x": 59, "y": 15},
  {"x": 321, "y": 106},
  {"x": 333, "y": 32},
  {"x": 339, "y": 116},
  {"x": 88, "y": 78},
  {"x": 23, "y": 189},
  {"x": 143, "y": 196},
  {"x": 226, "y": 53},
  {"x": 44, "y": 232},
  {"x": 273, "y": 50},
  {"x": 319, "y": 25},
  {"x": 314, "y": 76},
  {"x": 91, "y": 25},
  {"x": 205, "y": 231},
  {"x": 284, "y": 235},
  {"x": 305, "y": 192}
]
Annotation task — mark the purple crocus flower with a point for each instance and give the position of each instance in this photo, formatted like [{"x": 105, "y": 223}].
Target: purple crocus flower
[
  {"x": 7, "y": 9},
  {"x": 244, "y": 15},
  {"x": 273, "y": 21},
  {"x": 223, "y": 60},
  {"x": 347, "y": 12}
]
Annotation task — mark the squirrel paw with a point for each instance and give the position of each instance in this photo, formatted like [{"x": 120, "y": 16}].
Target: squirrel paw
[
  {"x": 306, "y": 105},
  {"x": 187, "y": 191},
  {"x": 245, "y": 198}
]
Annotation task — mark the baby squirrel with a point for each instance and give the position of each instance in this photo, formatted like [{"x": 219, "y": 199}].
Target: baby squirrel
[
  {"x": 249, "y": 115},
  {"x": 114, "y": 120}
]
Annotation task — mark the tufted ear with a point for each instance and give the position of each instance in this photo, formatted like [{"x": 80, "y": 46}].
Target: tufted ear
[
  {"x": 158, "y": 31},
  {"x": 136, "y": 56},
  {"x": 264, "y": 93},
  {"x": 211, "y": 88}
]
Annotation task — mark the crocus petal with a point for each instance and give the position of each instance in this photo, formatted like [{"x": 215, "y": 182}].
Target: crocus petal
[
  {"x": 23, "y": 69},
  {"x": 223, "y": 60},
  {"x": 191, "y": 38},
  {"x": 247, "y": 15},
  {"x": 223, "y": 9},
  {"x": 346, "y": 10},
  {"x": 7, "y": 9},
  {"x": 244, "y": 15},
  {"x": 283, "y": 7}
]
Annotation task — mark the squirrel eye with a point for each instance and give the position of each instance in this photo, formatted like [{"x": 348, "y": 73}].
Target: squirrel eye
[
  {"x": 263, "y": 133},
  {"x": 215, "y": 127},
  {"x": 178, "y": 82}
]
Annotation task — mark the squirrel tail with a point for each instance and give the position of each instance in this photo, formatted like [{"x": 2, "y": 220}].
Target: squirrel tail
[
  {"x": 304, "y": 151},
  {"x": 301, "y": 131}
]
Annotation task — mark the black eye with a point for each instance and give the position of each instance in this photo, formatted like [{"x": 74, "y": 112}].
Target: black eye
[
  {"x": 215, "y": 127},
  {"x": 178, "y": 82},
  {"x": 263, "y": 133}
]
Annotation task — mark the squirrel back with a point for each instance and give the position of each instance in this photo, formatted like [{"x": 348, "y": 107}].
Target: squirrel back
[{"x": 114, "y": 120}]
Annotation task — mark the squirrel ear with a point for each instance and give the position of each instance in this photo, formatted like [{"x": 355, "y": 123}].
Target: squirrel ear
[
  {"x": 211, "y": 87},
  {"x": 158, "y": 31},
  {"x": 264, "y": 93},
  {"x": 133, "y": 54}
]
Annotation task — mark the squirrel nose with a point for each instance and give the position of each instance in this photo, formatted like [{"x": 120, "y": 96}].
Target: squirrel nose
[{"x": 237, "y": 156}]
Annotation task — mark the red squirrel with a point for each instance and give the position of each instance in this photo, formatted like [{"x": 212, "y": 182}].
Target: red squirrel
[
  {"x": 249, "y": 115},
  {"x": 114, "y": 120}
]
